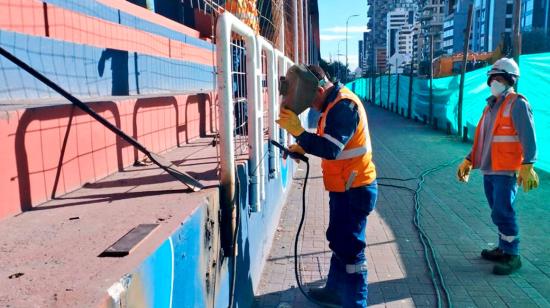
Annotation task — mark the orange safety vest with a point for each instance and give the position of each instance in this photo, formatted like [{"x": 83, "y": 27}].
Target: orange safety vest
[
  {"x": 353, "y": 167},
  {"x": 506, "y": 150}
]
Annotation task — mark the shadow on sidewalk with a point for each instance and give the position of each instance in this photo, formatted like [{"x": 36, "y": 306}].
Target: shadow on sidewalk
[{"x": 294, "y": 298}]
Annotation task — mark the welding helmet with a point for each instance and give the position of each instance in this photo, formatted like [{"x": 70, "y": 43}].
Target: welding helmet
[{"x": 299, "y": 88}]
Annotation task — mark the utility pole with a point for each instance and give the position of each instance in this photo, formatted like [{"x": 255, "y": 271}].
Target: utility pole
[
  {"x": 373, "y": 86},
  {"x": 381, "y": 75},
  {"x": 430, "y": 116},
  {"x": 463, "y": 68},
  {"x": 397, "y": 88},
  {"x": 373, "y": 60},
  {"x": 347, "y": 22},
  {"x": 517, "y": 34},
  {"x": 389, "y": 86},
  {"x": 338, "y": 60},
  {"x": 409, "y": 105}
]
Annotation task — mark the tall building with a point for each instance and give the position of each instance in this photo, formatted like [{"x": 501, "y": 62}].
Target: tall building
[
  {"x": 377, "y": 37},
  {"x": 492, "y": 23},
  {"x": 361, "y": 55},
  {"x": 433, "y": 12},
  {"x": 454, "y": 25},
  {"x": 406, "y": 39},
  {"x": 535, "y": 14},
  {"x": 396, "y": 20},
  {"x": 364, "y": 65}
]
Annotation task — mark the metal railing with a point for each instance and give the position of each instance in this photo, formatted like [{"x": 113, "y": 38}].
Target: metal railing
[{"x": 253, "y": 46}]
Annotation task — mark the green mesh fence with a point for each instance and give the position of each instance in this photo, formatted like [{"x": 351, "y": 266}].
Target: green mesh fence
[{"x": 534, "y": 84}]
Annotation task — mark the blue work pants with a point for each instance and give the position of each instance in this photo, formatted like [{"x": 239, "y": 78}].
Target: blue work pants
[
  {"x": 346, "y": 234},
  {"x": 501, "y": 191}
]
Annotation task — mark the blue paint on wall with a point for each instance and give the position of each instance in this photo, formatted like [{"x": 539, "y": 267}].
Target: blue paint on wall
[
  {"x": 155, "y": 274},
  {"x": 95, "y": 9},
  {"x": 87, "y": 71},
  {"x": 257, "y": 230},
  {"x": 189, "y": 282},
  {"x": 254, "y": 241}
]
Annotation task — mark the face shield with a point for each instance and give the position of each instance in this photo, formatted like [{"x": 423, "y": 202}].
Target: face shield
[{"x": 299, "y": 88}]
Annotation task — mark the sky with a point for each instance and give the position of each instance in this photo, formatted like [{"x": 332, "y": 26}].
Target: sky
[{"x": 332, "y": 23}]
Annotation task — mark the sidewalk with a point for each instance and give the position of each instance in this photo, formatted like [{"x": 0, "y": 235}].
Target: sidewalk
[
  {"x": 49, "y": 256},
  {"x": 454, "y": 215}
]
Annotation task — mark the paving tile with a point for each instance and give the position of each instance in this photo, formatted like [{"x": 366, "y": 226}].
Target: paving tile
[{"x": 455, "y": 217}]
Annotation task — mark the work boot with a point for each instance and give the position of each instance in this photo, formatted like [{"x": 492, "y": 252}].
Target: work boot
[
  {"x": 496, "y": 254},
  {"x": 509, "y": 265},
  {"x": 326, "y": 297}
]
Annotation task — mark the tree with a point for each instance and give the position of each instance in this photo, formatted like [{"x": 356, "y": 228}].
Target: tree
[{"x": 336, "y": 70}]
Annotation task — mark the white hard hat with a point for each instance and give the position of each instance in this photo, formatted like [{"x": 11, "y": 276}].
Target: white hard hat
[{"x": 504, "y": 66}]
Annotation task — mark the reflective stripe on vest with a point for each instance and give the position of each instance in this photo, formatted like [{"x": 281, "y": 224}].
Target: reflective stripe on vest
[
  {"x": 355, "y": 152},
  {"x": 353, "y": 167},
  {"x": 513, "y": 138}
]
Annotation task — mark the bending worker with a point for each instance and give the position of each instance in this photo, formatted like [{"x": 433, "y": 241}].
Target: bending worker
[
  {"x": 504, "y": 150},
  {"x": 343, "y": 142}
]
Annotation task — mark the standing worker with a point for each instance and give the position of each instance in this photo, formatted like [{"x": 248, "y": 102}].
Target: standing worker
[
  {"x": 343, "y": 142},
  {"x": 504, "y": 150}
]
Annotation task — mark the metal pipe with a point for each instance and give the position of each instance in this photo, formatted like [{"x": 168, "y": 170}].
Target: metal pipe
[
  {"x": 517, "y": 35},
  {"x": 264, "y": 45},
  {"x": 302, "y": 33},
  {"x": 409, "y": 102},
  {"x": 227, "y": 24},
  {"x": 347, "y": 22},
  {"x": 282, "y": 29},
  {"x": 295, "y": 21},
  {"x": 463, "y": 68},
  {"x": 283, "y": 63},
  {"x": 431, "y": 107},
  {"x": 307, "y": 37}
]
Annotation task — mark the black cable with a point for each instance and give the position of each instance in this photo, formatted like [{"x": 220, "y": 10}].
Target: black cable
[
  {"x": 397, "y": 179},
  {"x": 429, "y": 251},
  {"x": 235, "y": 247},
  {"x": 397, "y": 186},
  {"x": 300, "y": 225}
]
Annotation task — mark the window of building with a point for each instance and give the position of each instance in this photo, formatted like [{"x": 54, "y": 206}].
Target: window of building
[
  {"x": 508, "y": 23},
  {"x": 509, "y": 9}
]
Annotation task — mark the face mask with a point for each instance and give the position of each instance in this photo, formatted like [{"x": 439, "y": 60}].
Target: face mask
[{"x": 497, "y": 88}]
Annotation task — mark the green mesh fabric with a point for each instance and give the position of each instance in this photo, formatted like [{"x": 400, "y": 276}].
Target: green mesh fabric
[{"x": 534, "y": 84}]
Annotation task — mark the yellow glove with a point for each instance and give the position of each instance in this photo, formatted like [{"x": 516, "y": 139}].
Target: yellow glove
[
  {"x": 289, "y": 121},
  {"x": 463, "y": 172},
  {"x": 296, "y": 148},
  {"x": 528, "y": 177}
]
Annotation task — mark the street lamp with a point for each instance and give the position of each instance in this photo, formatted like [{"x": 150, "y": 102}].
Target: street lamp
[
  {"x": 338, "y": 59},
  {"x": 347, "y": 21}
]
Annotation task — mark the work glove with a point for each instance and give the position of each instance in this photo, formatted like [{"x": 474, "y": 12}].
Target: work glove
[
  {"x": 296, "y": 148},
  {"x": 528, "y": 177},
  {"x": 463, "y": 172},
  {"x": 289, "y": 121}
]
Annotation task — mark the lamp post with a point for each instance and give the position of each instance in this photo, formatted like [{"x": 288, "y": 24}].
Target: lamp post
[
  {"x": 347, "y": 22},
  {"x": 338, "y": 59}
]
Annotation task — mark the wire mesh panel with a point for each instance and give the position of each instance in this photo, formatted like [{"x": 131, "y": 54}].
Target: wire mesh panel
[
  {"x": 94, "y": 50},
  {"x": 265, "y": 95},
  {"x": 263, "y": 16},
  {"x": 240, "y": 103}
]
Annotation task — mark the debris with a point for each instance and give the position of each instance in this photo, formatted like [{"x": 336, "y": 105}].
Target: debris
[{"x": 16, "y": 275}]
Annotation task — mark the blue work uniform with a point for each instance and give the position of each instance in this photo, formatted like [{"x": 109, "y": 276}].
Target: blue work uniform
[
  {"x": 501, "y": 186},
  {"x": 346, "y": 231}
]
